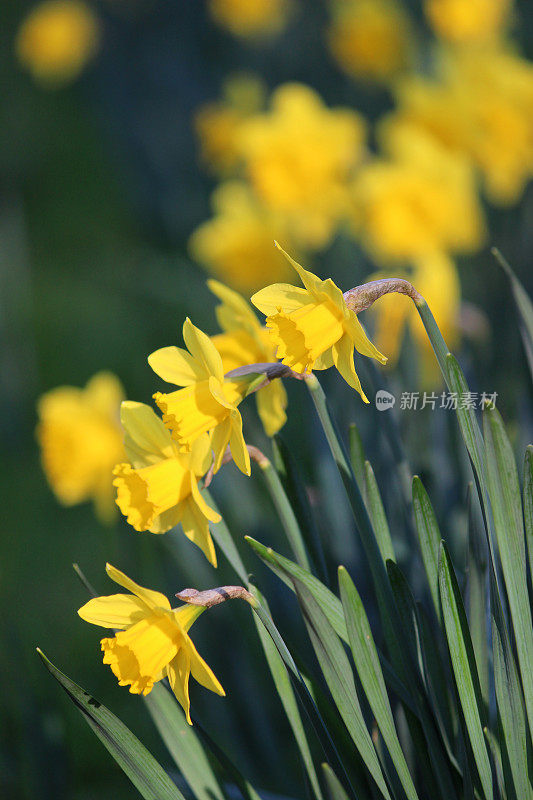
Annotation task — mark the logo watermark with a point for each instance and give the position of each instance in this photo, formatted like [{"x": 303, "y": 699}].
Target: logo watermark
[
  {"x": 384, "y": 400},
  {"x": 449, "y": 401}
]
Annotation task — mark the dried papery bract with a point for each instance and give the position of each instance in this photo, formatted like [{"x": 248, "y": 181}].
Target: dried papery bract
[
  {"x": 362, "y": 297},
  {"x": 213, "y": 597}
]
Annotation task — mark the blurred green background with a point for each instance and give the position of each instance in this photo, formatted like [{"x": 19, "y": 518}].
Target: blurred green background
[{"x": 102, "y": 186}]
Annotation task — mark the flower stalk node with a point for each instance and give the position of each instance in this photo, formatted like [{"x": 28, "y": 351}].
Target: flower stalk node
[
  {"x": 362, "y": 297},
  {"x": 213, "y": 597}
]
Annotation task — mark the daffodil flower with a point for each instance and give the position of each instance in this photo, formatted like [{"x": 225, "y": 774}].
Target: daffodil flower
[
  {"x": 152, "y": 641},
  {"x": 207, "y": 403},
  {"x": 313, "y": 328},
  {"x": 246, "y": 341},
  {"x": 81, "y": 439},
  {"x": 159, "y": 487}
]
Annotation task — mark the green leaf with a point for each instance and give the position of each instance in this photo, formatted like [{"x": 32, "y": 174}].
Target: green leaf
[
  {"x": 510, "y": 704},
  {"x": 286, "y": 693},
  {"x": 285, "y": 464},
  {"x": 182, "y": 743},
  {"x": 528, "y": 504},
  {"x": 333, "y": 785},
  {"x": 369, "y": 670},
  {"x": 357, "y": 458},
  {"x": 377, "y": 514},
  {"x": 339, "y": 678},
  {"x": 429, "y": 539},
  {"x": 224, "y": 539},
  {"x": 524, "y": 305},
  {"x": 477, "y": 595},
  {"x": 504, "y": 492},
  {"x": 139, "y": 765},
  {"x": 464, "y": 667},
  {"x": 285, "y": 513}
]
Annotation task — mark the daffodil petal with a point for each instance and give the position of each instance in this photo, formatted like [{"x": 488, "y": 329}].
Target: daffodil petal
[
  {"x": 360, "y": 340},
  {"x": 175, "y": 365},
  {"x": 151, "y": 598},
  {"x": 178, "y": 676},
  {"x": 311, "y": 282},
  {"x": 202, "y": 672},
  {"x": 146, "y": 440},
  {"x": 271, "y": 404},
  {"x": 104, "y": 392},
  {"x": 280, "y": 295},
  {"x": 196, "y": 529},
  {"x": 324, "y": 360},
  {"x": 202, "y": 349},
  {"x": 186, "y": 615},
  {"x": 209, "y": 513},
  {"x": 234, "y": 313},
  {"x": 239, "y": 451},
  {"x": 114, "y": 611},
  {"x": 343, "y": 358},
  {"x": 219, "y": 442}
]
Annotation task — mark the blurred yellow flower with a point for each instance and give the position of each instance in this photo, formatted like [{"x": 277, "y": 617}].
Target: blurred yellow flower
[
  {"x": 217, "y": 124},
  {"x": 313, "y": 328},
  {"x": 57, "y": 39},
  {"x": 207, "y": 403},
  {"x": 246, "y": 341},
  {"x": 81, "y": 440},
  {"x": 435, "y": 276},
  {"x": 299, "y": 157},
  {"x": 152, "y": 642},
  {"x": 483, "y": 108},
  {"x": 251, "y": 18},
  {"x": 370, "y": 39},
  {"x": 420, "y": 199},
  {"x": 468, "y": 21},
  {"x": 237, "y": 243},
  {"x": 159, "y": 487}
]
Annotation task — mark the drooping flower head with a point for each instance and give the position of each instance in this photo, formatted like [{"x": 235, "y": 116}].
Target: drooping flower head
[
  {"x": 159, "y": 487},
  {"x": 246, "y": 341},
  {"x": 207, "y": 403},
  {"x": 152, "y": 642},
  {"x": 81, "y": 440},
  {"x": 57, "y": 39},
  {"x": 313, "y": 328}
]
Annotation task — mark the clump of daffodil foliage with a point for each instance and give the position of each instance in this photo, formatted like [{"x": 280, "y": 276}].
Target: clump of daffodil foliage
[{"x": 428, "y": 693}]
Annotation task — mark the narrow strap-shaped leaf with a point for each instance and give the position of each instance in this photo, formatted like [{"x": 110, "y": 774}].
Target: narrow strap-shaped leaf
[
  {"x": 510, "y": 706},
  {"x": 464, "y": 667},
  {"x": 339, "y": 678},
  {"x": 504, "y": 492},
  {"x": 286, "y": 466},
  {"x": 333, "y": 785},
  {"x": 182, "y": 743},
  {"x": 524, "y": 305},
  {"x": 224, "y": 539},
  {"x": 146, "y": 774},
  {"x": 528, "y": 504},
  {"x": 305, "y": 698},
  {"x": 429, "y": 539},
  {"x": 382, "y": 588},
  {"x": 286, "y": 693},
  {"x": 377, "y": 515},
  {"x": 369, "y": 670},
  {"x": 226, "y": 764},
  {"x": 477, "y": 595},
  {"x": 357, "y": 458},
  {"x": 285, "y": 512}
]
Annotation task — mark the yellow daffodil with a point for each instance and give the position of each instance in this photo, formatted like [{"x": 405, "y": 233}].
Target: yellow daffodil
[
  {"x": 313, "y": 328},
  {"x": 370, "y": 39},
  {"x": 236, "y": 243},
  {"x": 57, "y": 39},
  {"x": 81, "y": 440},
  {"x": 152, "y": 641},
  {"x": 468, "y": 21},
  {"x": 218, "y": 123},
  {"x": 299, "y": 157},
  {"x": 419, "y": 199},
  {"x": 158, "y": 488},
  {"x": 207, "y": 403},
  {"x": 250, "y": 18},
  {"x": 435, "y": 276},
  {"x": 246, "y": 341}
]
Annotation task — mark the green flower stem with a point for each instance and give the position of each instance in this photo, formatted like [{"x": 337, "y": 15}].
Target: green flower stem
[
  {"x": 440, "y": 348},
  {"x": 285, "y": 511}
]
